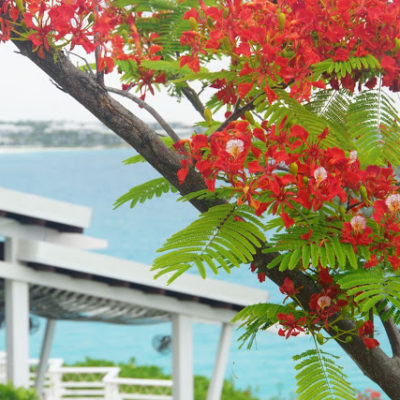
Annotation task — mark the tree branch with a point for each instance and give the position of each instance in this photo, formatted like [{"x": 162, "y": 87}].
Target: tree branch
[
  {"x": 237, "y": 113},
  {"x": 99, "y": 74},
  {"x": 392, "y": 331},
  {"x": 393, "y": 334},
  {"x": 88, "y": 67},
  {"x": 192, "y": 96},
  {"x": 167, "y": 128}
]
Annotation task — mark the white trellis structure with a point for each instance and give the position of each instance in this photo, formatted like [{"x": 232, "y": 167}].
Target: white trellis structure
[{"x": 48, "y": 270}]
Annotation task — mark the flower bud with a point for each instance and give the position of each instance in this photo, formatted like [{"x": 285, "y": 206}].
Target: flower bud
[
  {"x": 397, "y": 44},
  {"x": 282, "y": 19},
  {"x": 363, "y": 193},
  {"x": 208, "y": 116},
  {"x": 249, "y": 117},
  {"x": 20, "y": 5},
  {"x": 226, "y": 43},
  {"x": 193, "y": 24},
  {"x": 320, "y": 338},
  {"x": 293, "y": 168}
]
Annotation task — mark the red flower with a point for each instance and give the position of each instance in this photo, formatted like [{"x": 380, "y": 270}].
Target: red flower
[
  {"x": 261, "y": 276},
  {"x": 366, "y": 329},
  {"x": 288, "y": 288},
  {"x": 307, "y": 235},
  {"x": 292, "y": 327},
  {"x": 394, "y": 260},
  {"x": 355, "y": 234},
  {"x": 372, "y": 262},
  {"x": 370, "y": 343},
  {"x": 324, "y": 278}
]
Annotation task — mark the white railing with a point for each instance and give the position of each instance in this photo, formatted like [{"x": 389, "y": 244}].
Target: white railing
[{"x": 93, "y": 383}]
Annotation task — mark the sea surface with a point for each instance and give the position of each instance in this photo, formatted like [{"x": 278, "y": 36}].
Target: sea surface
[{"x": 96, "y": 178}]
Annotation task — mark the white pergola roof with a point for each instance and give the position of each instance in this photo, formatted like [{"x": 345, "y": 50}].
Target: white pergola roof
[
  {"x": 46, "y": 269},
  {"x": 38, "y": 209},
  {"x": 59, "y": 265}
]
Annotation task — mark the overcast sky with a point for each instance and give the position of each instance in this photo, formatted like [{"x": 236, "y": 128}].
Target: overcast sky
[{"x": 27, "y": 93}]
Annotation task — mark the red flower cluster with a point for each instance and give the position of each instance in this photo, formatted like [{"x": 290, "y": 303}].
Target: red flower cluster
[
  {"x": 281, "y": 170},
  {"x": 271, "y": 43},
  {"x": 91, "y": 25},
  {"x": 275, "y": 43}
]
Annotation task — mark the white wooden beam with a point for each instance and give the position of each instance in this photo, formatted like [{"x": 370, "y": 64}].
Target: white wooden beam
[
  {"x": 182, "y": 358},
  {"x": 44, "y": 356},
  {"x": 11, "y": 228},
  {"x": 169, "y": 304},
  {"x": 17, "y": 324},
  {"x": 44, "y": 208},
  {"x": 221, "y": 361},
  {"x": 99, "y": 264}
]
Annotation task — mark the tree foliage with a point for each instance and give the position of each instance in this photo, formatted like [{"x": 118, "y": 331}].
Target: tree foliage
[{"x": 300, "y": 139}]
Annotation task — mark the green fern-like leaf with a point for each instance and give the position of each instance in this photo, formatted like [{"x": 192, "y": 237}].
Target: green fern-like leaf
[
  {"x": 332, "y": 105},
  {"x": 319, "y": 377},
  {"x": 371, "y": 287},
  {"x": 372, "y": 123},
  {"x": 258, "y": 317},
  {"x": 341, "y": 68},
  {"x": 298, "y": 114},
  {"x": 134, "y": 160},
  {"x": 223, "y": 235},
  {"x": 140, "y": 159},
  {"x": 145, "y": 191},
  {"x": 367, "y": 122},
  {"x": 322, "y": 248}
]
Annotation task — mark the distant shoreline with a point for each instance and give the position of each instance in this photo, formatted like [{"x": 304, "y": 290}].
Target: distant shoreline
[{"x": 34, "y": 149}]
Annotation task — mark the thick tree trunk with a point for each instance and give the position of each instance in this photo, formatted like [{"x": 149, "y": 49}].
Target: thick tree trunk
[{"x": 375, "y": 364}]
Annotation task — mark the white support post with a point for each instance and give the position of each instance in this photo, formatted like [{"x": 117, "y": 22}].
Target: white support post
[
  {"x": 17, "y": 323},
  {"x": 182, "y": 358},
  {"x": 44, "y": 356},
  {"x": 221, "y": 361}
]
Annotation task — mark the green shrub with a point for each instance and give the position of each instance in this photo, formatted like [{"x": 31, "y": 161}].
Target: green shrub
[
  {"x": 131, "y": 370},
  {"x": 9, "y": 392}
]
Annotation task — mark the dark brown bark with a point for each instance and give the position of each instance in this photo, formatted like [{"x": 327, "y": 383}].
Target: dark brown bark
[{"x": 378, "y": 366}]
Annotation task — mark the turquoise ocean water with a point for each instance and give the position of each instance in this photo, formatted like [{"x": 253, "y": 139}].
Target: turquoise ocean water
[{"x": 95, "y": 178}]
